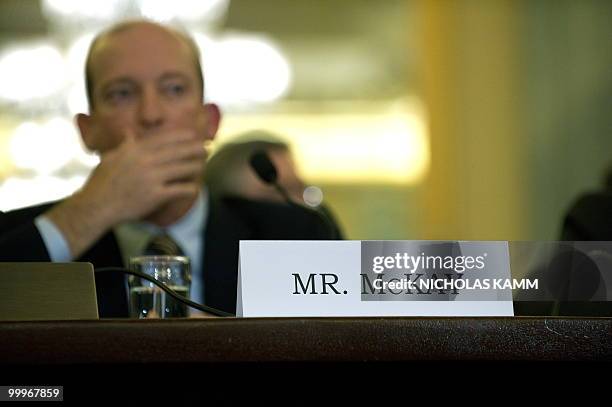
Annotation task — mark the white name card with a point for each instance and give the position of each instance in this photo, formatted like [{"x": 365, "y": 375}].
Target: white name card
[{"x": 373, "y": 278}]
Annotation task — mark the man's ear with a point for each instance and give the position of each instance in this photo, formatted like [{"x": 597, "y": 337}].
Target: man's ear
[
  {"x": 212, "y": 115},
  {"x": 85, "y": 125}
]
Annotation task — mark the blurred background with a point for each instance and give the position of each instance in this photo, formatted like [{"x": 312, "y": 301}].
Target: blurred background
[{"x": 420, "y": 119}]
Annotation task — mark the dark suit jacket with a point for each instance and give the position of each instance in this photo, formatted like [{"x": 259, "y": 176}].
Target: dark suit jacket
[
  {"x": 589, "y": 218},
  {"x": 229, "y": 221}
]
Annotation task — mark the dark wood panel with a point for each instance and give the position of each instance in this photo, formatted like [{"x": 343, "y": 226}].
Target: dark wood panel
[{"x": 305, "y": 340}]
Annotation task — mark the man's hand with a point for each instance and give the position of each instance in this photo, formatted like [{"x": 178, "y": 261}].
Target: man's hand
[{"x": 131, "y": 181}]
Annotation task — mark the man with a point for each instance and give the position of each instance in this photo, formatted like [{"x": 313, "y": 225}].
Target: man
[
  {"x": 590, "y": 216},
  {"x": 229, "y": 173},
  {"x": 148, "y": 122}
]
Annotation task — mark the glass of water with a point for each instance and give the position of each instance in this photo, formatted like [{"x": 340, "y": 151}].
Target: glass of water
[{"x": 148, "y": 300}]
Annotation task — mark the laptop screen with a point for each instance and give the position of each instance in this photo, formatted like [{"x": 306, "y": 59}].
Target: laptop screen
[{"x": 47, "y": 291}]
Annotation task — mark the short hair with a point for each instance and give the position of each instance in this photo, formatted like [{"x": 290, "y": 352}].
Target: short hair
[
  {"x": 126, "y": 25},
  {"x": 223, "y": 167}
]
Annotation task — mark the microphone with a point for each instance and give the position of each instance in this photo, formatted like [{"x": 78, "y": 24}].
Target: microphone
[{"x": 266, "y": 171}]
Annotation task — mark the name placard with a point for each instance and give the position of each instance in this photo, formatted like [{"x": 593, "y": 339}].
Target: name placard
[{"x": 374, "y": 278}]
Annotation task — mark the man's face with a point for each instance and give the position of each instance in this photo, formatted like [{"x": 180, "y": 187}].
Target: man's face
[{"x": 144, "y": 82}]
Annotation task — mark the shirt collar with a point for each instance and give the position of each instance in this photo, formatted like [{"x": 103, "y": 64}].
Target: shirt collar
[
  {"x": 192, "y": 223},
  {"x": 133, "y": 236}
]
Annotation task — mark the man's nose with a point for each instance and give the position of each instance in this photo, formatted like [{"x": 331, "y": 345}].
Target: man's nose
[{"x": 151, "y": 110}]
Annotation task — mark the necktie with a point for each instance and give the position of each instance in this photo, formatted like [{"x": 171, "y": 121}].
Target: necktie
[{"x": 161, "y": 245}]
